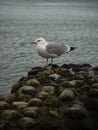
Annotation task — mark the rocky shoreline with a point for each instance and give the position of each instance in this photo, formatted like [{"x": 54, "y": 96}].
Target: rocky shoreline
[{"x": 58, "y": 97}]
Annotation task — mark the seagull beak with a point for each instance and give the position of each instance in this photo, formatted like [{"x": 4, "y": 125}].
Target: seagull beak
[{"x": 34, "y": 42}]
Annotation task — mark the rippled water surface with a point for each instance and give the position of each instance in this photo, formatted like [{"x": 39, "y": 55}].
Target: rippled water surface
[{"x": 22, "y": 22}]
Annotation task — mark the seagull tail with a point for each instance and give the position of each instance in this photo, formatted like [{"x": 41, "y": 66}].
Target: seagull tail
[{"x": 72, "y": 48}]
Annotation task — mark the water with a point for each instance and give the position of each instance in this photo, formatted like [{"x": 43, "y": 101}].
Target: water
[{"x": 75, "y": 23}]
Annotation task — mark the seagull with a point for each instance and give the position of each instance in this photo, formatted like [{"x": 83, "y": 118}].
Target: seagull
[{"x": 51, "y": 49}]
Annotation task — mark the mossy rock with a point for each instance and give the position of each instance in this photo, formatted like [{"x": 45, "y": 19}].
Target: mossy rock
[
  {"x": 35, "y": 102},
  {"x": 23, "y": 97},
  {"x": 31, "y": 111},
  {"x": 10, "y": 98},
  {"x": 75, "y": 112},
  {"x": 75, "y": 83},
  {"x": 16, "y": 87},
  {"x": 53, "y": 101},
  {"x": 27, "y": 90},
  {"x": 33, "y": 82},
  {"x": 95, "y": 85},
  {"x": 54, "y": 113},
  {"x": 48, "y": 89},
  {"x": 67, "y": 95},
  {"x": 43, "y": 95},
  {"x": 26, "y": 123},
  {"x": 93, "y": 92},
  {"x": 10, "y": 114},
  {"x": 92, "y": 105},
  {"x": 94, "y": 79},
  {"x": 4, "y": 105},
  {"x": 19, "y": 104}
]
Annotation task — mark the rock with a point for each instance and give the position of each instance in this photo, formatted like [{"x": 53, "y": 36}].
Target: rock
[
  {"x": 53, "y": 101},
  {"x": 43, "y": 95},
  {"x": 93, "y": 92},
  {"x": 35, "y": 102},
  {"x": 19, "y": 105},
  {"x": 2, "y": 125},
  {"x": 10, "y": 114},
  {"x": 83, "y": 73},
  {"x": 67, "y": 95},
  {"x": 75, "y": 112},
  {"x": 27, "y": 90},
  {"x": 46, "y": 72},
  {"x": 92, "y": 105},
  {"x": 16, "y": 87},
  {"x": 31, "y": 111},
  {"x": 26, "y": 123},
  {"x": 48, "y": 89},
  {"x": 10, "y": 98},
  {"x": 64, "y": 72},
  {"x": 54, "y": 76},
  {"x": 95, "y": 85},
  {"x": 94, "y": 79},
  {"x": 23, "y": 97},
  {"x": 54, "y": 113},
  {"x": 4, "y": 105},
  {"x": 33, "y": 82},
  {"x": 35, "y": 70},
  {"x": 75, "y": 83}
]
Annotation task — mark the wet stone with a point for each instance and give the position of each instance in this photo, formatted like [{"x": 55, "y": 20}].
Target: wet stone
[
  {"x": 31, "y": 111},
  {"x": 4, "y": 105},
  {"x": 93, "y": 92},
  {"x": 48, "y": 89},
  {"x": 43, "y": 95},
  {"x": 23, "y": 97},
  {"x": 35, "y": 102},
  {"x": 35, "y": 70},
  {"x": 27, "y": 90},
  {"x": 26, "y": 123},
  {"x": 53, "y": 101},
  {"x": 75, "y": 112},
  {"x": 10, "y": 98},
  {"x": 67, "y": 95},
  {"x": 33, "y": 82},
  {"x": 75, "y": 83},
  {"x": 95, "y": 85},
  {"x": 92, "y": 105},
  {"x": 16, "y": 87},
  {"x": 10, "y": 114},
  {"x": 19, "y": 105},
  {"x": 54, "y": 113}
]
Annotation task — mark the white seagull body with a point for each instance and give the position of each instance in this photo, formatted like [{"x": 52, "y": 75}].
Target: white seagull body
[{"x": 51, "y": 49}]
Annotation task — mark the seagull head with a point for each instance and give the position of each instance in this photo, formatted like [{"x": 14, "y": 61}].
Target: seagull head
[{"x": 41, "y": 41}]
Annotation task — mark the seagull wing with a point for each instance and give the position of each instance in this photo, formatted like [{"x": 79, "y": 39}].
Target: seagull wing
[{"x": 57, "y": 49}]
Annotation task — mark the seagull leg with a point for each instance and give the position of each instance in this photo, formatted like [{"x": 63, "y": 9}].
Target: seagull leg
[
  {"x": 47, "y": 62},
  {"x": 51, "y": 61}
]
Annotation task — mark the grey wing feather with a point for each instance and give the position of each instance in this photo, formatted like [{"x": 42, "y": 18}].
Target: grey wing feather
[{"x": 54, "y": 48}]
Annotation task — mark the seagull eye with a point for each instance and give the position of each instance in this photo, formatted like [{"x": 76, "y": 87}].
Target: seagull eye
[{"x": 38, "y": 40}]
